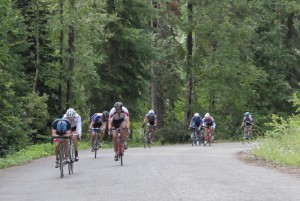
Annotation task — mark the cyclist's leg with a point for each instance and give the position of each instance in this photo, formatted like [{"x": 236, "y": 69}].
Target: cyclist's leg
[
  {"x": 250, "y": 132},
  {"x": 114, "y": 140},
  {"x": 245, "y": 130},
  {"x": 93, "y": 136},
  {"x": 102, "y": 132},
  {"x": 66, "y": 148},
  {"x": 56, "y": 144},
  {"x": 124, "y": 133},
  {"x": 75, "y": 142}
]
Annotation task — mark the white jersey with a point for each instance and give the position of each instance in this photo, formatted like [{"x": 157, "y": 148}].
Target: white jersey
[
  {"x": 113, "y": 115},
  {"x": 75, "y": 121}
]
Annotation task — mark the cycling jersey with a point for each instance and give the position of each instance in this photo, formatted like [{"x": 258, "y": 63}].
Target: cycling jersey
[
  {"x": 248, "y": 120},
  {"x": 117, "y": 118},
  {"x": 54, "y": 125},
  {"x": 151, "y": 118},
  {"x": 75, "y": 123},
  {"x": 97, "y": 120},
  {"x": 196, "y": 121},
  {"x": 208, "y": 122}
]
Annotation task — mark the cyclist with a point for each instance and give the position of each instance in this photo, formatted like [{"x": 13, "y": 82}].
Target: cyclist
[
  {"x": 247, "y": 122},
  {"x": 61, "y": 127},
  {"x": 98, "y": 120},
  {"x": 208, "y": 122},
  {"x": 119, "y": 118},
  {"x": 151, "y": 120},
  {"x": 75, "y": 120},
  {"x": 196, "y": 122}
]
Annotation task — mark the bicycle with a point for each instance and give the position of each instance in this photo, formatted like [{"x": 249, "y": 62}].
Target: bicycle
[
  {"x": 195, "y": 136},
  {"x": 61, "y": 155},
  {"x": 247, "y": 137},
  {"x": 96, "y": 143},
  {"x": 207, "y": 135},
  {"x": 72, "y": 155},
  {"x": 148, "y": 136},
  {"x": 120, "y": 145}
]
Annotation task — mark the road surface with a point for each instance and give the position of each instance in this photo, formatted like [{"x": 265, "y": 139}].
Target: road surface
[{"x": 167, "y": 173}]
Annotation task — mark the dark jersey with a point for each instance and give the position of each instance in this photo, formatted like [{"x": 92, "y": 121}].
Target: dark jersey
[{"x": 68, "y": 125}]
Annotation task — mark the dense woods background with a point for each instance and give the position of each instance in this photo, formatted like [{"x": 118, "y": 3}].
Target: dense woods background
[{"x": 177, "y": 57}]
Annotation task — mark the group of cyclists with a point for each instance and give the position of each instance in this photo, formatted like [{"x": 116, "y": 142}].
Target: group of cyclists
[
  {"x": 206, "y": 123},
  {"x": 70, "y": 125}
]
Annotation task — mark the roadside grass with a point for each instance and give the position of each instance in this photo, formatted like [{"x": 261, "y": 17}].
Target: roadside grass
[
  {"x": 33, "y": 152},
  {"x": 282, "y": 144}
]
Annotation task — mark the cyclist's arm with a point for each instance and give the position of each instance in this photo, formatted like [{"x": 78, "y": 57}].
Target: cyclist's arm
[
  {"x": 53, "y": 133},
  {"x": 78, "y": 127},
  {"x": 128, "y": 122},
  {"x": 109, "y": 124}
]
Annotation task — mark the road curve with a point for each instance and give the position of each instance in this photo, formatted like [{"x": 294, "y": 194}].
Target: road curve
[{"x": 177, "y": 173}]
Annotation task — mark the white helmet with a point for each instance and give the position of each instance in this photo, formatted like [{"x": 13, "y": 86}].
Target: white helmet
[
  {"x": 206, "y": 115},
  {"x": 70, "y": 112},
  {"x": 196, "y": 115},
  {"x": 151, "y": 112}
]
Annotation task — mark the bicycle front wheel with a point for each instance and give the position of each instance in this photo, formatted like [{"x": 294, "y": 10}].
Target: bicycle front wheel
[
  {"x": 96, "y": 144},
  {"x": 61, "y": 160},
  {"x": 72, "y": 158}
]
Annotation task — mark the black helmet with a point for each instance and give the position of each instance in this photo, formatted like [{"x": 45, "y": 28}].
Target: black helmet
[
  {"x": 105, "y": 114},
  {"x": 118, "y": 105}
]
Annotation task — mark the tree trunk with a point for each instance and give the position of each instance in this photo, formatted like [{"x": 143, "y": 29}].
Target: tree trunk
[
  {"x": 61, "y": 57},
  {"x": 189, "y": 65},
  {"x": 37, "y": 42},
  {"x": 71, "y": 60}
]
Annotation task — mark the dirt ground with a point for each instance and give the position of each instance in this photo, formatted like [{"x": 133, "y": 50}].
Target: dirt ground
[{"x": 249, "y": 158}]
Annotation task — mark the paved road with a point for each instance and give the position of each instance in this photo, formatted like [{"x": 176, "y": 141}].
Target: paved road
[{"x": 177, "y": 173}]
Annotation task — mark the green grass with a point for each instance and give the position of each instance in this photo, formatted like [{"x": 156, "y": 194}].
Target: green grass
[
  {"x": 24, "y": 156},
  {"x": 32, "y": 152},
  {"x": 280, "y": 151}
]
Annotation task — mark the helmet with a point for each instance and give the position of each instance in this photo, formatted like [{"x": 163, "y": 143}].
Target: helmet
[
  {"x": 105, "y": 114},
  {"x": 206, "y": 115},
  {"x": 70, "y": 112},
  {"x": 61, "y": 127},
  {"x": 151, "y": 112},
  {"x": 247, "y": 114},
  {"x": 118, "y": 105},
  {"x": 196, "y": 115}
]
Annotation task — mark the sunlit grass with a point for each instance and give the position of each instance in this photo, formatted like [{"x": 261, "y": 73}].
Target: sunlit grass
[{"x": 281, "y": 145}]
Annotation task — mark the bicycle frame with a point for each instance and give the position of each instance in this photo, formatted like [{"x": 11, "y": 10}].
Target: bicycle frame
[
  {"x": 120, "y": 145},
  {"x": 195, "y": 140},
  {"x": 61, "y": 155},
  {"x": 207, "y": 135},
  {"x": 247, "y": 136},
  {"x": 148, "y": 136},
  {"x": 97, "y": 140}
]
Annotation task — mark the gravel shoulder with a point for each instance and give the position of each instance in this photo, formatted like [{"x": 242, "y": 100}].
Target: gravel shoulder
[{"x": 247, "y": 157}]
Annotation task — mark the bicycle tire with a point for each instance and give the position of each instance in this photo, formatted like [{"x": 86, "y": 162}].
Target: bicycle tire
[
  {"x": 145, "y": 140},
  {"x": 149, "y": 139},
  {"x": 61, "y": 159},
  {"x": 96, "y": 144},
  {"x": 72, "y": 158}
]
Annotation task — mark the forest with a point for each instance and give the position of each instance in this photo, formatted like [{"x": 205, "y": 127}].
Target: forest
[{"x": 177, "y": 57}]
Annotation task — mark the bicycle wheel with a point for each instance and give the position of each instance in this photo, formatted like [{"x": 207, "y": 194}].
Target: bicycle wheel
[
  {"x": 193, "y": 138},
  {"x": 72, "y": 158},
  {"x": 120, "y": 149},
  {"x": 149, "y": 139},
  {"x": 61, "y": 159},
  {"x": 145, "y": 140},
  {"x": 96, "y": 144}
]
